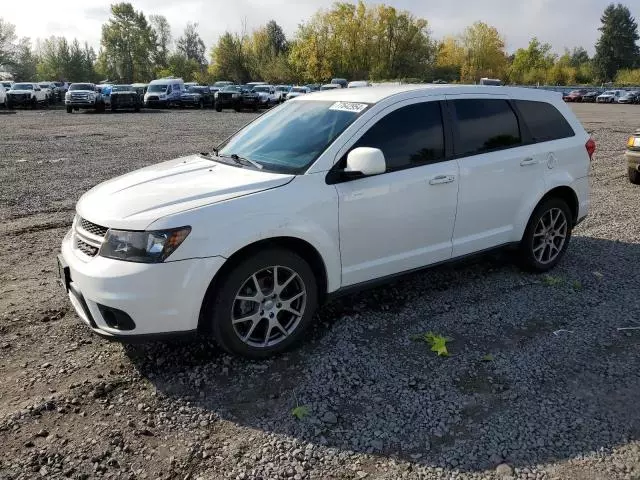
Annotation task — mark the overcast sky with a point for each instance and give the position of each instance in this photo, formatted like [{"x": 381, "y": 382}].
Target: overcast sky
[{"x": 563, "y": 24}]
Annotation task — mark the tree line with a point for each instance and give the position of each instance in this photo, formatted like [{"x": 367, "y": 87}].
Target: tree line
[{"x": 353, "y": 41}]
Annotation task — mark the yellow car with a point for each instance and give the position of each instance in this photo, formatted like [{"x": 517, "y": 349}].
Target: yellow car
[{"x": 633, "y": 157}]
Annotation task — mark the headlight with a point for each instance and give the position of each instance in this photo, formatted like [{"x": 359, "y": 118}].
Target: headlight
[
  {"x": 235, "y": 95},
  {"x": 215, "y": 95},
  {"x": 67, "y": 95},
  {"x": 143, "y": 247}
]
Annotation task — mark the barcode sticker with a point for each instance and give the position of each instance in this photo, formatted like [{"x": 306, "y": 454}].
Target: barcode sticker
[{"x": 349, "y": 107}]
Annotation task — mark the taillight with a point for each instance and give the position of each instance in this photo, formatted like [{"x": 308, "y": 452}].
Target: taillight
[{"x": 591, "y": 147}]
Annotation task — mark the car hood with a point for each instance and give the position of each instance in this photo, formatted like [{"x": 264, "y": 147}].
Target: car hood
[{"x": 135, "y": 200}]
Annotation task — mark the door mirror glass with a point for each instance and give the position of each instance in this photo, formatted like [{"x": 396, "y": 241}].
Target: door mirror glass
[{"x": 366, "y": 160}]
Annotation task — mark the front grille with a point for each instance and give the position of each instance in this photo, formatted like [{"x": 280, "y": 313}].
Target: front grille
[
  {"x": 93, "y": 228},
  {"x": 80, "y": 96},
  {"x": 153, "y": 99},
  {"x": 85, "y": 248}
]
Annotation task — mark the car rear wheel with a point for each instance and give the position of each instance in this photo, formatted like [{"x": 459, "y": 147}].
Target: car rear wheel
[
  {"x": 634, "y": 176},
  {"x": 264, "y": 305},
  {"x": 69, "y": 109},
  {"x": 547, "y": 236},
  {"x": 218, "y": 108}
]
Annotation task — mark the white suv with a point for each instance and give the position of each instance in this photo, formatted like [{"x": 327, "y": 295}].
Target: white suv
[{"x": 324, "y": 194}]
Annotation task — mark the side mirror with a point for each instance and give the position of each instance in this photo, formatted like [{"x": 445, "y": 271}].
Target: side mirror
[{"x": 365, "y": 161}]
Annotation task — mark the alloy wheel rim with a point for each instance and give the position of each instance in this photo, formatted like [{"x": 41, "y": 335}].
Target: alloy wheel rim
[
  {"x": 269, "y": 306},
  {"x": 550, "y": 236}
]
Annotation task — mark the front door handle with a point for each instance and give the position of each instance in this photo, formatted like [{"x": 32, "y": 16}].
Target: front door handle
[
  {"x": 528, "y": 161},
  {"x": 440, "y": 179}
]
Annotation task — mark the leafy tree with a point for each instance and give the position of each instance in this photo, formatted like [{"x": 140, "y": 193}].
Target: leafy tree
[
  {"x": 277, "y": 40},
  {"x": 162, "y": 29},
  {"x": 8, "y": 40},
  {"x": 128, "y": 45},
  {"x": 229, "y": 58},
  {"x": 628, "y": 77},
  {"x": 451, "y": 56},
  {"x": 617, "y": 48},
  {"x": 530, "y": 65},
  {"x": 59, "y": 60},
  {"x": 178, "y": 65},
  {"x": 24, "y": 64},
  {"x": 191, "y": 45},
  {"x": 268, "y": 60},
  {"x": 484, "y": 53},
  {"x": 579, "y": 56}
]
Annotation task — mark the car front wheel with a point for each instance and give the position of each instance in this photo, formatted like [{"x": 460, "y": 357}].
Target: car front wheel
[
  {"x": 634, "y": 176},
  {"x": 547, "y": 236},
  {"x": 264, "y": 305}
]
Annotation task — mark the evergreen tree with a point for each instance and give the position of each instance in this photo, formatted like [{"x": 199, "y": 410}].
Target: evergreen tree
[{"x": 617, "y": 48}]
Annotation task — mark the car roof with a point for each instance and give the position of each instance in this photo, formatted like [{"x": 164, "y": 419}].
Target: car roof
[{"x": 379, "y": 93}]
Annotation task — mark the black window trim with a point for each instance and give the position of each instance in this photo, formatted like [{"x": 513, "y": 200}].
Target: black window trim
[
  {"x": 336, "y": 174},
  {"x": 525, "y": 134}
]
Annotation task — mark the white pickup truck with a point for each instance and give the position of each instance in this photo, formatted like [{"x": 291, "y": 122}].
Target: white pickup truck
[
  {"x": 85, "y": 96},
  {"x": 26, "y": 95},
  {"x": 267, "y": 94}
]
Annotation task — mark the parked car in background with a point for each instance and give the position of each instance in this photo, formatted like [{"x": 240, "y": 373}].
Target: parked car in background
[
  {"x": 237, "y": 97},
  {"x": 50, "y": 91},
  {"x": 297, "y": 91},
  {"x": 164, "y": 92},
  {"x": 26, "y": 95},
  {"x": 495, "y": 82},
  {"x": 330, "y": 86},
  {"x": 83, "y": 96},
  {"x": 267, "y": 95},
  {"x": 575, "y": 95},
  {"x": 197, "y": 96},
  {"x": 6, "y": 84},
  {"x": 190, "y": 84},
  {"x": 630, "y": 97},
  {"x": 591, "y": 96},
  {"x": 633, "y": 157},
  {"x": 3, "y": 96},
  {"x": 217, "y": 86},
  {"x": 140, "y": 89},
  {"x": 281, "y": 92},
  {"x": 125, "y": 97},
  {"x": 610, "y": 96},
  {"x": 340, "y": 81},
  {"x": 314, "y": 87},
  {"x": 62, "y": 88},
  {"x": 358, "y": 84},
  {"x": 245, "y": 242}
]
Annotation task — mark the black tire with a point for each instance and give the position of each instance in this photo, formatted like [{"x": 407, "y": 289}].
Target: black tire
[
  {"x": 69, "y": 109},
  {"x": 201, "y": 105},
  {"x": 10, "y": 105},
  {"x": 527, "y": 257},
  {"x": 136, "y": 109},
  {"x": 255, "y": 108},
  {"x": 34, "y": 104},
  {"x": 634, "y": 176},
  {"x": 220, "y": 303},
  {"x": 237, "y": 109},
  {"x": 218, "y": 108},
  {"x": 114, "y": 109}
]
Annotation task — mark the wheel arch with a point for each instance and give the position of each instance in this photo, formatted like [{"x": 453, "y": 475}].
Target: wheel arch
[
  {"x": 567, "y": 194},
  {"x": 301, "y": 247}
]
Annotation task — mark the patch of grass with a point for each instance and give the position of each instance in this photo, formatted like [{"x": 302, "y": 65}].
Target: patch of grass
[
  {"x": 438, "y": 343},
  {"x": 576, "y": 285},
  {"x": 551, "y": 281},
  {"x": 488, "y": 358},
  {"x": 300, "y": 412}
]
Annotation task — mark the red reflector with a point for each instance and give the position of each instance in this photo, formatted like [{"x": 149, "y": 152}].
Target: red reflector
[{"x": 591, "y": 147}]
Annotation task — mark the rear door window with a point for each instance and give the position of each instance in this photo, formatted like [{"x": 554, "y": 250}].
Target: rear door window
[
  {"x": 483, "y": 125},
  {"x": 544, "y": 121}
]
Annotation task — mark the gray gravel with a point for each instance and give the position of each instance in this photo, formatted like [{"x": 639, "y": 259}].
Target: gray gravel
[{"x": 556, "y": 399}]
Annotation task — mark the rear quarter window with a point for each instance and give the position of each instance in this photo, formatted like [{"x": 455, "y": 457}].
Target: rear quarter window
[{"x": 544, "y": 121}]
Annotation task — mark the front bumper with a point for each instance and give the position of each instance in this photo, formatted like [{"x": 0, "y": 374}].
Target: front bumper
[
  {"x": 633, "y": 159},
  {"x": 13, "y": 100},
  {"x": 80, "y": 103},
  {"x": 161, "y": 299}
]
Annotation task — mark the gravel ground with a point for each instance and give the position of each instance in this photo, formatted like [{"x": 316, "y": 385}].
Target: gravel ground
[{"x": 557, "y": 398}]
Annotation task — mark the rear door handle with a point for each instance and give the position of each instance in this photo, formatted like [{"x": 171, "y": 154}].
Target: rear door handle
[
  {"x": 440, "y": 179},
  {"x": 528, "y": 161}
]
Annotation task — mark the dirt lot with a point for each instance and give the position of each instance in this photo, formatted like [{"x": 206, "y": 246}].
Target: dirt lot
[{"x": 556, "y": 399}]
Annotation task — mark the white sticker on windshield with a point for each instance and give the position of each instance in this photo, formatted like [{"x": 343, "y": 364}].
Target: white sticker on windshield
[{"x": 349, "y": 107}]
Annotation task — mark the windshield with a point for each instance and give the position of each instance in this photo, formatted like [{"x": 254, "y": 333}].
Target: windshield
[
  {"x": 121, "y": 88},
  {"x": 298, "y": 90},
  {"x": 231, "y": 88},
  {"x": 282, "y": 89},
  {"x": 22, "y": 86},
  {"x": 221, "y": 84},
  {"x": 45, "y": 85},
  {"x": 290, "y": 138},
  {"x": 82, "y": 86},
  {"x": 157, "y": 88},
  {"x": 196, "y": 89},
  {"x": 610, "y": 92},
  {"x": 261, "y": 89}
]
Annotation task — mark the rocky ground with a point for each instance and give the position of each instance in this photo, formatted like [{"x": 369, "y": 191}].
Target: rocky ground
[{"x": 541, "y": 383}]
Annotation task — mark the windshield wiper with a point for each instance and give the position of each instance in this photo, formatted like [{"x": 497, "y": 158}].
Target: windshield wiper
[{"x": 239, "y": 160}]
